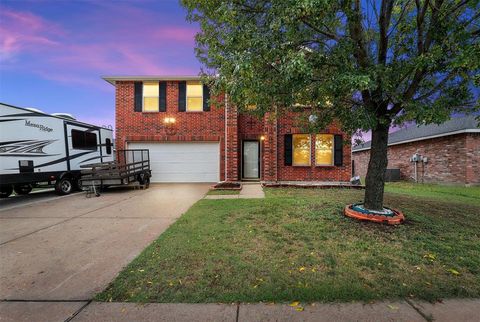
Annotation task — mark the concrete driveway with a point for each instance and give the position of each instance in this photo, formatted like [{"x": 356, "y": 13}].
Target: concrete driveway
[{"x": 69, "y": 249}]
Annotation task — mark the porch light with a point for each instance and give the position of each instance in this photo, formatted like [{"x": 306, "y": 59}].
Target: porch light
[
  {"x": 262, "y": 138},
  {"x": 169, "y": 120}
]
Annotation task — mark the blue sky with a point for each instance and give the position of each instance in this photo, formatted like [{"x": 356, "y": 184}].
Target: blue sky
[{"x": 53, "y": 53}]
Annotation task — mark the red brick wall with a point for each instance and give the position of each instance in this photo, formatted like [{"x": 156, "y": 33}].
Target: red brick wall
[
  {"x": 312, "y": 172},
  {"x": 232, "y": 143},
  {"x": 189, "y": 126},
  {"x": 473, "y": 159},
  {"x": 451, "y": 159}
]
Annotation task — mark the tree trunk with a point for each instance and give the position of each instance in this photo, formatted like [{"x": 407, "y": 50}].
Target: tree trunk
[{"x": 375, "y": 180}]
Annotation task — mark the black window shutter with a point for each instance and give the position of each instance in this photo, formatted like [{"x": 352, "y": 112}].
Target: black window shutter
[
  {"x": 182, "y": 96},
  {"x": 138, "y": 96},
  {"x": 162, "y": 96},
  {"x": 338, "y": 148},
  {"x": 206, "y": 98},
  {"x": 288, "y": 149}
]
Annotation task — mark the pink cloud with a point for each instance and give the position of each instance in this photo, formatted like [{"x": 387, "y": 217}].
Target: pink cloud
[
  {"x": 112, "y": 40},
  {"x": 177, "y": 34},
  {"x": 20, "y": 31}
]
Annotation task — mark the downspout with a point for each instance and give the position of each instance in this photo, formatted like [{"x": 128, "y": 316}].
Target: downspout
[{"x": 225, "y": 144}]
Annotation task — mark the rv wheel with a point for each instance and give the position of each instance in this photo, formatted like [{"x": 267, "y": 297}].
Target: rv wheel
[
  {"x": 6, "y": 190},
  {"x": 63, "y": 186},
  {"x": 22, "y": 189}
]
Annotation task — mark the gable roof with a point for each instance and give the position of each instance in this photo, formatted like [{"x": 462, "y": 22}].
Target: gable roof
[{"x": 465, "y": 124}]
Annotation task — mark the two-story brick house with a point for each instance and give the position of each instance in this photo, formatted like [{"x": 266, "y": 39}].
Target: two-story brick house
[{"x": 192, "y": 141}]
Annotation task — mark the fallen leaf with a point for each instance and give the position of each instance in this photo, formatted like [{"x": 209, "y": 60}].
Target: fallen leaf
[
  {"x": 453, "y": 271},
  {"x": 301, "y": 269},
  {"x": 299, "y": 309},
  {"x": 294, "y": 303},
  {"x": 392, "y": 307}
]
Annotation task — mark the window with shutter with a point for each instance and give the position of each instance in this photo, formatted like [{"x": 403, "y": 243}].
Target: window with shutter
[
  {"x": 324, "y": 149},
  {"x": 150, "y": 96},
  {"x": 301, "y": 149},
  {"x": 194, "y": 96}
]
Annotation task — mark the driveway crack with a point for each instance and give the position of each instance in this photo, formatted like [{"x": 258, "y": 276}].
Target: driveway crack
[{"x": 425, "y": 316}]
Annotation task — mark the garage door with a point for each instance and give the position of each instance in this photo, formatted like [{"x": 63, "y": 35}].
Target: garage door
[{"x": 182, "y": 162}]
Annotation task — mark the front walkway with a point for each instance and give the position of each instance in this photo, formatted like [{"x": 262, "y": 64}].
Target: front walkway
[
  {"x": 249, "y": 191},
  {"x": 448, "y": 310}
]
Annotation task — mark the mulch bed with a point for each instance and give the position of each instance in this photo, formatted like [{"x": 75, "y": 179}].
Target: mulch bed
[{"x": 227, "y": 186}]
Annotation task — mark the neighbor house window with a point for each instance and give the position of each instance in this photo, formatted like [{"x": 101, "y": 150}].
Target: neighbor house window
[
  {"x": 301, "y": 149},
  {"x": 150, "y": 96},
  {"x": 194, "y": 96},
  {"x": 84, "y": 140},
  {"x": 324, "y": 149}
]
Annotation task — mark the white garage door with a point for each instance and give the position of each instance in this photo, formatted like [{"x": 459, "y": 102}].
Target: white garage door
[{"x": 182, "y": 162}]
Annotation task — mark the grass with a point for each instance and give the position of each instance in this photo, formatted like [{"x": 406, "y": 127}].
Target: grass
[
  {"x": 297, "y": 245},
  {"x": 470, "y": 195},
  {"x": 223, "y": 192}
]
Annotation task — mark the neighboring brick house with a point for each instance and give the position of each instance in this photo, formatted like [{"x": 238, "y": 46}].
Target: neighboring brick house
[
  {"x": 448, "y": 153},
  {"x": 191, "y": 140}
]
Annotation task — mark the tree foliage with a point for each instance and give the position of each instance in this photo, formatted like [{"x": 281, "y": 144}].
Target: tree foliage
[{"x": 363, "y": 62}]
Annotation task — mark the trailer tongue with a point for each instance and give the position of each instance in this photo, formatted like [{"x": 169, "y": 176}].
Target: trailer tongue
[{"x": 130, "y": 166}]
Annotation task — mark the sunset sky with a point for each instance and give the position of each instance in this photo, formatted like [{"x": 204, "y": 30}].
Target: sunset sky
[{"x": 53, "y": 53}]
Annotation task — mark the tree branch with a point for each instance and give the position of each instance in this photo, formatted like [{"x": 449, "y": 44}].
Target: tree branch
[
  {"x": 384, "y": 23},
  {"x": 327, "y": 34},
  {"x": 437, "y": 87}
]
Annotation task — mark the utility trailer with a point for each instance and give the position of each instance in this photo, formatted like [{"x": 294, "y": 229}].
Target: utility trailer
[
  {"x": 129, "y": 167},
  {"x": 41, "y": 150}
]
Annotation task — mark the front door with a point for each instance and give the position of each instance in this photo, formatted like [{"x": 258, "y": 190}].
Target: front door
[{"x": 251, "y": 159}]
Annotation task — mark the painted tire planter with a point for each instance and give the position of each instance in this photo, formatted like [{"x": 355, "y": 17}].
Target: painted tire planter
[{"x": 387, "y": 216}]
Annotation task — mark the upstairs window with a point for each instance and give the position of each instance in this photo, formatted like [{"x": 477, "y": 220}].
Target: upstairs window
[
  {"x": 83, "y": 140},
  {"x": 301, "y": 149},
  {"x": 150, "y": 96},
  {"x": 324, "y": 149},
  {"x": 194, "y": 96}
]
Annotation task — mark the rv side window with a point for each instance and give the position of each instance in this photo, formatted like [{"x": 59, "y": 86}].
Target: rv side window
[
  {"x": 84, "y": 140},
  {"x": 108, "y": 142}
]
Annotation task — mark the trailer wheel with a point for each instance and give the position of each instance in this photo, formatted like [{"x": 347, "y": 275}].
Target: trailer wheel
[
  {"x": 6, "y": 190},
  {"x": 64, "y": 186},
  {"x": 147, "y": 182},
  {"x": 144, "y": 179},
  {"x": 22, "y": 189}
]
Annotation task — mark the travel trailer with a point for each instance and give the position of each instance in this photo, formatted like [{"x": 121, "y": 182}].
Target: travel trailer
[{"x": 38, "y": 149}]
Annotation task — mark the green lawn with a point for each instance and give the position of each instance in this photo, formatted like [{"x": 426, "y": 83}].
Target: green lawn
[
  {"x": 297, "y": 245},
  {"x": 223, "y": 192}
]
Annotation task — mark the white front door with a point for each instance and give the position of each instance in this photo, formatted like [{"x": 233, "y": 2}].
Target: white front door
[
  {"x": 182, "y": 162},
  {"x": 251, "y": 159}
]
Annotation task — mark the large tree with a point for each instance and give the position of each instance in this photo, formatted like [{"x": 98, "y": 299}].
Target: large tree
[{"x": 368, "y": 64}]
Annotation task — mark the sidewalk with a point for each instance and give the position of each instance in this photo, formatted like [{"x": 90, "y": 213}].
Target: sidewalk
[{"x": 449, "y": 310}]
